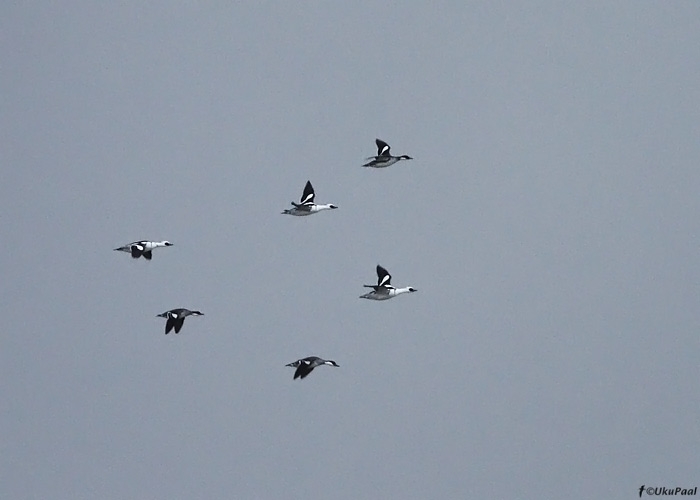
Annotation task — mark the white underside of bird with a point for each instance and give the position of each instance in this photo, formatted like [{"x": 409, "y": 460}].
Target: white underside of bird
[{"x": 386, "y": 293}]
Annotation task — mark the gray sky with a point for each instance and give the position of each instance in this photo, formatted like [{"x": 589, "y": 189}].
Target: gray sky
[{"x": 549, "y": 222}]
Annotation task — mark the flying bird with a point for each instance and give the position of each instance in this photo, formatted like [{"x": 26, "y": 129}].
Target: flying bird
[
  {"x": 143, "y": 248},
  {"x": 384, "y": 290},
  {"x": 384, "y": 157},
  {"x": 306, "y": 365},
  {"x": 176, "y": 317},
  {"x": 306, "y": 205}
]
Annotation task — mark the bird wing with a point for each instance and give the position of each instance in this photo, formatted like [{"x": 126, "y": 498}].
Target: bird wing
[
  {"x": 178, "y": 324},
  {"x": 382, "y": 148},
  {"x": 384, "y": 278},
  {"x": 308, "y": 196},
  {"x": 303, "y": 207},
  {"x": 303, "y": 370}
]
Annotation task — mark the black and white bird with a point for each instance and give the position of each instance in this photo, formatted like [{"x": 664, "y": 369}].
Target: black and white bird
[
  {"x": 143, "y": 248},
  {"x": 306, "y": 205},
  {"x": 306, "y": 365},
  {"x": 384, "y": 157},
  {"x": 383, "y": 290},
  {"x": 176, "y": 317}
]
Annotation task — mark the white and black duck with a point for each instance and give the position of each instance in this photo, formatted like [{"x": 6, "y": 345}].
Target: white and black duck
[
  {"x": 175, "y": 318},
  {"x": 143, "y": 248},
  {"x": 306, "y": 365},
  {"x": 384, "y": 157},
  {"x": 384, "y": 290},
  {"x": 306, "y": 205}
]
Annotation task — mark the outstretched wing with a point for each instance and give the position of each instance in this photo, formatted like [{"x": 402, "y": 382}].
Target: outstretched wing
[
  {"x": 169, "y": 324},
  {"x": 383, "y": 276},
  {"x": 303, "y": 370},
  {"x": 303, "y": 366},
  {"x": 178, "y": 324},
  {"x": 302, "y": 207},
  {"x": 308, "y": 197},
  {"x": 382, "y": 148}
]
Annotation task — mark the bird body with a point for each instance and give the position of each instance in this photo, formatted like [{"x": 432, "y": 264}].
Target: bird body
[
  {"x": 306, "y": 205},
  {"x": 386, "y": 293},
  {"x": 305, "y": 366},
  {"x": 175, "y": 318},
  {"x": 384, "y": 290},
  {"x": 384, "y": 158},
  {"x": 143, "y": 248}
]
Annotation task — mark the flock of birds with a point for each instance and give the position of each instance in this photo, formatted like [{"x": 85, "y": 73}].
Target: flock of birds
[{"x": 383, "y": 290}]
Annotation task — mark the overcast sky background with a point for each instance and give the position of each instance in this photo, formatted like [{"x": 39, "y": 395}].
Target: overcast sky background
[{"x": 549, "y": 221}]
